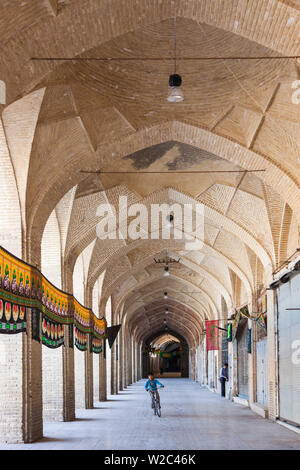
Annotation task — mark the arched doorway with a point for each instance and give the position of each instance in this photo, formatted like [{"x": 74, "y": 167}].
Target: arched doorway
[{"x": 166, "y": 353}]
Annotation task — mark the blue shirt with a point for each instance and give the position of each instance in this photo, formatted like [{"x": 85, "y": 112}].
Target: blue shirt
[{"x": 152, "y": 384}]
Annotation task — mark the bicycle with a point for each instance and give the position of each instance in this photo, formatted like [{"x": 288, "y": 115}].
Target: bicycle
[{"x": 155, "y": 403}]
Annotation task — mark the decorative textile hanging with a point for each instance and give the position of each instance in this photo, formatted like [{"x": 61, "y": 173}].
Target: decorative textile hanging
[
  {"x": 52, "y": 333},
  {"x": 80, "y": 340},
  {"x": 22, "y": 285},
  {"x": 96, "y": 345},
  {"x": 12, "y": 318},
  {"x": 212, "y": 335},
  {"x": 36, "y": 324}
]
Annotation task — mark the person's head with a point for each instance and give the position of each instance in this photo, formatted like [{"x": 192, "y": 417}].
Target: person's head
[
  {"x": 226, "y": 365},
  {"x": 150, "y": 376}
]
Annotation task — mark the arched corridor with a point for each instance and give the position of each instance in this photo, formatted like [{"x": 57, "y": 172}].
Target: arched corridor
[{"x": 149, "y": 221}]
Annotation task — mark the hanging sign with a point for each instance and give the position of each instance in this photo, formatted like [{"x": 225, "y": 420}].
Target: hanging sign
[
  {"x": 12, "y": 318},
  {"x": 52, "y": 333},
  {"x": 212, "y": 335}
]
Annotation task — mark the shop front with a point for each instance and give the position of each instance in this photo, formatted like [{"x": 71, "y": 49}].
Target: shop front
[{"x": 288, "y": 300}]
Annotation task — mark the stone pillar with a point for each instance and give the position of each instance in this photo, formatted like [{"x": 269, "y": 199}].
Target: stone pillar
[
  {"x": 69, "y": 377},
  {"x": 272, "y": 354},
  {"x": 32, "y": 385},
  {"x": 88, "y": 363}
]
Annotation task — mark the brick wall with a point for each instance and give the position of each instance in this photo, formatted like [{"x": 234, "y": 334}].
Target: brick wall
[{"x": 11, "y": 381}]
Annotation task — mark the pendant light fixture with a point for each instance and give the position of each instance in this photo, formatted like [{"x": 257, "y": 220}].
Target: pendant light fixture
[
  {"x": 166, "y": 271},
  {"x": 165, "y": 295},
  {"x": 175, "y": 93}
]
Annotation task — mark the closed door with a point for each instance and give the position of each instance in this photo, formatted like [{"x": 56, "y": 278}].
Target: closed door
[{"x": 262, "y": 372}]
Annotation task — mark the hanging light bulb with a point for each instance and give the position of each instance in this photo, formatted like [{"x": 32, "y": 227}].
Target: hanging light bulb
[
  {"x": 166, "y": 271},
  {"x": 165, "y": 321},
  {"x": 175, "y": 93},
  {"x": 166, "y": 310},
  {"x": 165, "y": 295}
]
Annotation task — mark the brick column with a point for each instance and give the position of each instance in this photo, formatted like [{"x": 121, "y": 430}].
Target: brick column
[
  {"x": 88, "y": 363},
  {"x": 69, "y": 378},
  {"x": 113, "y": 369},
  {"x": 120, "y": 362},
  {"x": 129, "y": 361},
  {"x": 272, "y": 355},
  {"x": 32, "y": 385},
  {"x": 96, "y": 376},
  {"x": 102, "y": 376},
  {"x": 117, "y": 366}
]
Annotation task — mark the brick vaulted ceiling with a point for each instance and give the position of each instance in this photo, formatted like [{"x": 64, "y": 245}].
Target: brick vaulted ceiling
[{"x": 66, "y": 116}]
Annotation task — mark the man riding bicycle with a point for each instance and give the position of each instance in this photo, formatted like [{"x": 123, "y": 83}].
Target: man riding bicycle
[{"x": 152, "y": 385}]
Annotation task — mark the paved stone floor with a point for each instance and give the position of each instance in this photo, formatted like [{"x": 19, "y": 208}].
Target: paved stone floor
[{"x": 192, "y": 418}]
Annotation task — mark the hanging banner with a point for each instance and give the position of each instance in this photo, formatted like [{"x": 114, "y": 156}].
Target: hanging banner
[
  {"x": 23, "y": 285},
  {"x": 112, "y": 333},
  {"x": 12, "y": 318},
  {"x": 96, "y": 345},
  {"x": 235, "y": 325},
  {"x": 262, "y": 304},
  {"x": 212, "y": 335},
  {"x": 262, "y": 313},
  {"x": 169, "y": 355},
  {"x": 52, "y": 333},
  {"x": 80, "y": 340},
  {"x": 244, "y": 311}
]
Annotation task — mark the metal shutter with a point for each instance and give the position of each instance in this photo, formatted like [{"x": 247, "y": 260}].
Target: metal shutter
[
  {"x": 262, "y": 371},
  {"x": 242, "y": 357},
  {"x": 289, "y": 350}
]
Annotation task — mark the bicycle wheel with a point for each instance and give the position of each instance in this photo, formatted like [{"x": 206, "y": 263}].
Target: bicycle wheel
[{"x": 158, "y": 410}]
